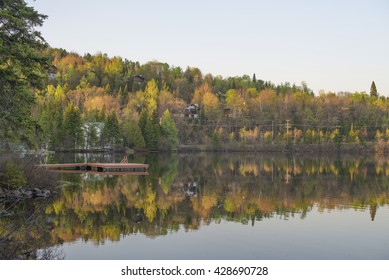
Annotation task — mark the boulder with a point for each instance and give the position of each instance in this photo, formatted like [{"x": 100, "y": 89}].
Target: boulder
[
  {"x": 41, "y": 193},
  {"x": 26, "y": 193},
  {"x": 15, "y": 194},
  {"x": 36, "y": 191}
]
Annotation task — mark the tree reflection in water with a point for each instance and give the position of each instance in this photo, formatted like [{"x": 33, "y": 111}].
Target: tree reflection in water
[
  {"x": 25, "y": 230},
  {"x": 192, "y": 190}
]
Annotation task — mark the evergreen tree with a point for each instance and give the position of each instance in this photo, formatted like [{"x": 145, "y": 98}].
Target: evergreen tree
[
  {"x": 111, "y": 131},
  {"x": 254, "y": 80},
  {"x": 72, "y": 124},
  {"x": 22, "y": 67},
  {"x": 123, "y": 96},
  {"x": 152, "y": 131},
  {"x": 373, "y": 90}
]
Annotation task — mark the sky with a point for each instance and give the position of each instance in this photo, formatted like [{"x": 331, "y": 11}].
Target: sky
[{"x": 332, "y": 45}]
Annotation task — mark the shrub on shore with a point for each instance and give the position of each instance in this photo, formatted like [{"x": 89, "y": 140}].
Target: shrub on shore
[
  {"x": 12, "y": 176},
  {"x": 23, "y": 172}
]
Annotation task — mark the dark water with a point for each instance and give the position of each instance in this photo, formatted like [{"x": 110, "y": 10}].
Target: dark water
[{"x": 219, "y": 206}]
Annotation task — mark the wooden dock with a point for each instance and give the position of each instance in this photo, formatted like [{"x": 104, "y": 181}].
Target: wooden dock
[{"x": 108, "y": 168}]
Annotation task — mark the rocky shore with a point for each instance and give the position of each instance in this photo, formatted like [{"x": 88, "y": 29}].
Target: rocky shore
[{"x": 24, "y": 193}]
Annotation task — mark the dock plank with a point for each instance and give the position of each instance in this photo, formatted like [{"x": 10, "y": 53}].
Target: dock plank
[{"x": 99, "y": 167}]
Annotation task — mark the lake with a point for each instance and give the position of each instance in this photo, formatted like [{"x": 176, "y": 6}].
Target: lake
[{"x": 215, "y": 206}]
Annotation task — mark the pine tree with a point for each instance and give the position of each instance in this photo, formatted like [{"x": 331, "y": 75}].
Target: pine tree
[
  {"x": 373, "y": 90},
  {"x": 22, "y": 67},
  {"x": 111, "y": 131}
]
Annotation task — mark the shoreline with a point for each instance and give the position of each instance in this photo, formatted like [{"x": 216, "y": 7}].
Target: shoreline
[
  {"x": 22, "y": 193},
  {"x": 343, "y": 148},
  {"x": 340, "y": 148}
]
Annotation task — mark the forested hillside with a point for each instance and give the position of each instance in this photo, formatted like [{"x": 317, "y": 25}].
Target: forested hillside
[{"x": 94, "y": 101}]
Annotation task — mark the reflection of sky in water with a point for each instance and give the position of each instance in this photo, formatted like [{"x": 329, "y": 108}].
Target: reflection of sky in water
[{"x": 335, "y": 234}]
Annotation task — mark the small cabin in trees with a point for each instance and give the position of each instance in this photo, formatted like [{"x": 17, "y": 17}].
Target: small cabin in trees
[
  {"x": 139, "y": 78},
  {"x": 192, "y": 111},
  {"x": 232, "y": 112}
]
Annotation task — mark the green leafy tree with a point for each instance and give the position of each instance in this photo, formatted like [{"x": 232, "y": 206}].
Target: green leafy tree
[
  {"x": 143, "y": 121},
  {"x": 232, "y": 97},
  {"x": 58, "y": 128},
  {"x": 216, "y": 141},
  {"x": 132, "y": 135},
  {"x": 13, "y": 176},
  {"x": 151, "y": 96},
  {"x": 169, "y": 132},
  {"x": 22, "y": 67},
  {"x": 46, "y": 125},
  {"x": 148, "y": 120}
]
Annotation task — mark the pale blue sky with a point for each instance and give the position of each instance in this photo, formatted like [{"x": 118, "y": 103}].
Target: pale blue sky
[{"x": 334, "y": 45}]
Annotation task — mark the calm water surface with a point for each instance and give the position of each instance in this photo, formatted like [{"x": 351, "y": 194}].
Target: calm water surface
[{"x": 221, "y": 206}]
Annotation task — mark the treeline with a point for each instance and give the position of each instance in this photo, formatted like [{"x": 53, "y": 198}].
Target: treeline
[{"x": 94, "y": 101}]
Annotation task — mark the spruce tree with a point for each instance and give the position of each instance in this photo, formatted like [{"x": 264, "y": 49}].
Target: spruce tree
[{"x": 373, "y": 90}]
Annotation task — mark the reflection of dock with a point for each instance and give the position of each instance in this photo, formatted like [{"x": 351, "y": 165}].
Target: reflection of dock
[{"x": 108, "y": 168}]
